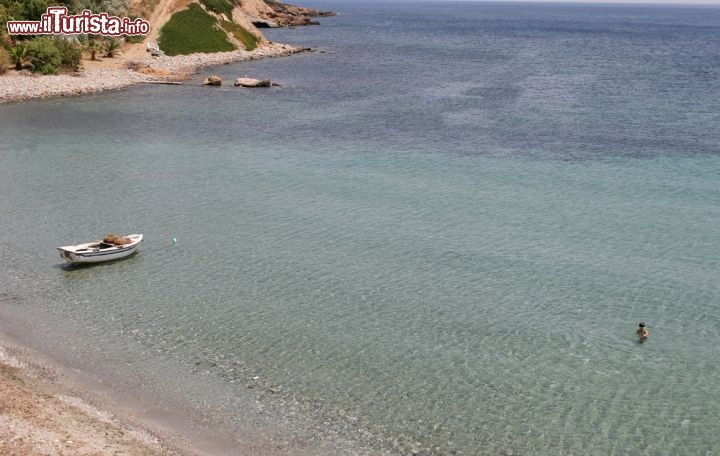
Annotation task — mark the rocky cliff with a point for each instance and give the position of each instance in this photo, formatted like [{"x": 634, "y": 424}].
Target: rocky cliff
[
  {"x": 189, "y": 26},
  {"x": 271, "y": 13}
]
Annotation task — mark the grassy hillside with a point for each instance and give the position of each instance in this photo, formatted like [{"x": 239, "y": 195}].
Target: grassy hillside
[
  {"x": 193, "y": 30},
  {"x": 219, "y": 7}
]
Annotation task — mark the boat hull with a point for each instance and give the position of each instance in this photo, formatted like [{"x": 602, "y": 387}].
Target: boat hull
[
  {"x": 97, "y": 252},
  {"x": 99, "y": 257}
]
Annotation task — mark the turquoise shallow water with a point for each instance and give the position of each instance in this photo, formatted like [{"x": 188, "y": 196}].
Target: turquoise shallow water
[{"x": 440, "y": 244}]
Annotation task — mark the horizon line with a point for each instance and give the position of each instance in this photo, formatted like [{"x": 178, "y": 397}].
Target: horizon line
[{"x": 591, "y": 2}]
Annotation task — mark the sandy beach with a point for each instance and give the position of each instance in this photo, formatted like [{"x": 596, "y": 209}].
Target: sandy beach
[
  {"x": 44, "y": 411},
  {"x": 116, "y": 73},
  {"x": 50, "y": 409}
]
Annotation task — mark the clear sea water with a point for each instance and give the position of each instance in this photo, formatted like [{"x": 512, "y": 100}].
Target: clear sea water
[{"x": 437, "y": 238}]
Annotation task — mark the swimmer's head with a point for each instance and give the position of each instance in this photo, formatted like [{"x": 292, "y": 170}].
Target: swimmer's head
[{"x": 641, "y": 325}]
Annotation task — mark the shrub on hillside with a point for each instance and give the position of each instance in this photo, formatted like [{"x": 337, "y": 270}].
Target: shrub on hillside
[
  {"x": 70, "y": 54},
  {"x": 112, "y": 7},
  {"x": 193, "y": 30},
  {"x": 4, "y": 60},
  {"x": 44, "y": 55},
  {"x": 18, "y": 55},
  {"x": 25, "y": 10}
]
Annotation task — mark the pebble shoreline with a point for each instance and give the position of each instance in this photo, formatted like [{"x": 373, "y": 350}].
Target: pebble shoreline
[{"x": 25, "y": 86}]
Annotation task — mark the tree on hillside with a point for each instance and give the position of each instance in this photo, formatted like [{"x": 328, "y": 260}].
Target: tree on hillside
[
  {"x": 18, "y": 55},
  {"x": 93, "y": 46},
  {"x": 111, "y": 46}
]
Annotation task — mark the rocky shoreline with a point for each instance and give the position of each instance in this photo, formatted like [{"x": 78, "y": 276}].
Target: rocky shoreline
[
  {"x": 25, "y": 86},
  {"x": 285, "y": 15}
]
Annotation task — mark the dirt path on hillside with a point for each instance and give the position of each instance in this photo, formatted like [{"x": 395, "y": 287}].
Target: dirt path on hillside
[{"x": 157, "y": 19}]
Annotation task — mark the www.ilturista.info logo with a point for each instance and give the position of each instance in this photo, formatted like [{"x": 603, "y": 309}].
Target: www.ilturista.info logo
[{"x": 57, "y": 22}]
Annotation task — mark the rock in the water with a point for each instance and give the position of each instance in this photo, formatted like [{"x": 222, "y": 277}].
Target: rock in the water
[
  {"x": 250, "y": 82},
  {"x": 212, "y": 81}
]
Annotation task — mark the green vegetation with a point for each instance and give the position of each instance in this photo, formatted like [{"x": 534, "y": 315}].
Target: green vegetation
[
  {"x": 31, "y": 10},
  {"x": 248, "y": 40},
  {"x": 18, "y": 54},
  {"x": 112, "y": 7},
  {"x": 93, "y": 46},
  {"x": 193, "y": 30},
  {"x": 219, "y": 7},
  {"x": 110, "y": 47},
  {"x": 44, "y": 55},
  {"x": 70, "y": 54},
  {"x": 4, "y": 60}
]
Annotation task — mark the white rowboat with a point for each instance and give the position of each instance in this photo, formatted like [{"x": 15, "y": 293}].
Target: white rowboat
[{"x": 100, "y": 251}]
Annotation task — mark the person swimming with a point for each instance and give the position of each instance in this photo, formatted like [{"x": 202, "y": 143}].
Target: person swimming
[{"x": 642, "y": 331}]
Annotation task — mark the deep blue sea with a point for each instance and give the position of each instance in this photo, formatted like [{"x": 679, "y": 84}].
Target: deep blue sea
[{"x": 437, "y": 238}]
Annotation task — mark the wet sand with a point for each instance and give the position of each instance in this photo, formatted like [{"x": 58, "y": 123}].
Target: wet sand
[{"x": 46, "y": 411}]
